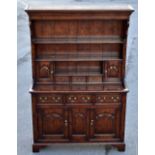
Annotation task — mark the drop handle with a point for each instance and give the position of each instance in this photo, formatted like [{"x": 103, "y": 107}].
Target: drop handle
[
  {"x": 66, "y": 123},
  {"x": 91, "y": 122}
]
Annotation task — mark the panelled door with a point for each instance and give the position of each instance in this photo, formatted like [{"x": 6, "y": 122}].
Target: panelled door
[
  {"x": 79, "y": 124},
  {"x": 105, "y": 123},
  {"x": 113, "y": 69},
  {"x": 53, "y": 124}
]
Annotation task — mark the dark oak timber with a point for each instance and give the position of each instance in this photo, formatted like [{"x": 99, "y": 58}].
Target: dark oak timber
[{"x": 78, "y": 64}]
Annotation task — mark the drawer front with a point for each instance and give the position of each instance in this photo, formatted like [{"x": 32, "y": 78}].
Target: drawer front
[
  {"x": 50, "y": 99},
  {"x": 106, "y": 98},
  {"x": 79, "y": 99}
]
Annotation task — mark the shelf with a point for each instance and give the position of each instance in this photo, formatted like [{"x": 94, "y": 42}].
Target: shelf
[
  {"x": 37, "y": 90},
  {"x": 78, "y": 59},
  {"x": 79, "y": 87},
  {"x": 78, "y": 40},
  {"x": 79, "y": 56},
  {"x": 78, "y": 74},
  {"x": 78, "y": 83}
]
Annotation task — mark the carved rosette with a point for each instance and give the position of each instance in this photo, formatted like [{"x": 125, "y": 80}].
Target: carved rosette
[
  {"x": 85, "y": 98},
  {"x": 72, "y": 98},
  {"x": 43, "y": 99},
  {"x": 52, "y": 99},
  {"x": 44, "y": 71},
  {"x": 107, "y": 98}
]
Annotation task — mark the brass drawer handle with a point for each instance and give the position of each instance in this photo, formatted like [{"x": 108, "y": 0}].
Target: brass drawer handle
[
  {"x": 117, "y": 97},
  {"x": 72, "y": 98},
  {"x": 88, "y": 98}
]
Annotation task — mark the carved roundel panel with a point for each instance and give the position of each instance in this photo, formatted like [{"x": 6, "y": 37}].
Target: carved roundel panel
[
  {"x": 44, "y": 71},
  {"x": 113, "y": 69}
]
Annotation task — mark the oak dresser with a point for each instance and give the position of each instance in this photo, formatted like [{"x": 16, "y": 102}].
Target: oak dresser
[{"x": 78, "y": 64}]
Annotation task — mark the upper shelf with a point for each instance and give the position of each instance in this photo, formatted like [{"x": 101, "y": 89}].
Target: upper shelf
[
  {"x": 79, "y": 56},
  {"x": 79, "y": 59},
  {"x": 79, "y": 40}
]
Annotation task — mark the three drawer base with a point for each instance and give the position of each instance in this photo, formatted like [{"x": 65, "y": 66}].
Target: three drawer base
[{"x": 96, "y": 117}]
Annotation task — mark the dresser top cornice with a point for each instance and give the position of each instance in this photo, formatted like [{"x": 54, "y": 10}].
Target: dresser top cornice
[
  {"x": 78, "y": 7},
  {"x": 79, "y": 12}
]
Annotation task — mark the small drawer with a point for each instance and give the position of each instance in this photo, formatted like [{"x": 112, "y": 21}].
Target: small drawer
[
  {"x": 72, "y": 98},
  {"x": 95, "y": 79},
  {"x": 94, "y": 87},
  {"x": 79, "y": 99},
  {"x": 113, "y": 87},
  {"x": 78, "y": 87},
  {"x": 113, "y": 98},
  {"x": 85, "y": 98},
  {"x": 78, "y": 79},
  {"x": 52, "y": 99},
  {"x": 63, "y": 87},
  {"x": 59, "y": 79}
]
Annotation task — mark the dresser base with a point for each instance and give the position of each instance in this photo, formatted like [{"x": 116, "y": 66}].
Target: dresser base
[{"x": 120, "y": 146}]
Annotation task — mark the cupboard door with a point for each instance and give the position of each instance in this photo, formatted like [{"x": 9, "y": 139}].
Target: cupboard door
[
  {"x": 79, "y": 124},
  {"x": 113, "y": 69},
  {"x": 105, "y": 123},
  {"x": 45, "y": 71},
  {"x": 53, "y": 124}
]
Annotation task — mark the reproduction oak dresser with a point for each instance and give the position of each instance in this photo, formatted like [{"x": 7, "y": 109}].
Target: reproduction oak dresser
[{"x": 78, "y": 63}]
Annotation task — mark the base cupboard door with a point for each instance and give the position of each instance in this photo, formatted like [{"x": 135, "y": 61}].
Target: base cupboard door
[
  {"x": 52, "y": 124},
  {"x": 79, "y": 124},
  {"x": 105, "y": 123}
]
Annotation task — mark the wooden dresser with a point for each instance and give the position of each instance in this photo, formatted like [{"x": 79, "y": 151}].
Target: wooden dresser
[{"x": 78, "y": 63}]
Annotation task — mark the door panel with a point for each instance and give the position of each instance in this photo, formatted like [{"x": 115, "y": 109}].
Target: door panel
[
  {"x": 44, "y": 71},
  {"x": 105, "y": 123},
  {"x": 79, "y": 121},
  {"x": 53, "y": 124},
  {"x": 113, "y": 69}
]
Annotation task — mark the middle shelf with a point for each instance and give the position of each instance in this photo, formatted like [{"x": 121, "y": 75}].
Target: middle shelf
[
  {"x": 78, "y": 56},
  {"x": 79, "y": 40}
]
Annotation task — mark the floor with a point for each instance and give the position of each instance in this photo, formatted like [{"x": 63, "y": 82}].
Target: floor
[{"x": 24, "y": 100}]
